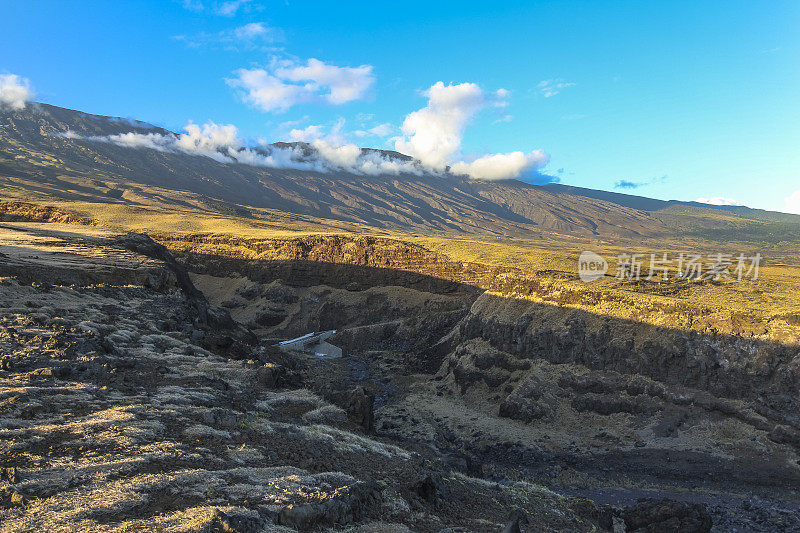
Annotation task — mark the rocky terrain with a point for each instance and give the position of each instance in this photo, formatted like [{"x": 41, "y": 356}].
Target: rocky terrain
[
  {"x": 129, "y": 404},
  {"x": 140, "y": 391}
]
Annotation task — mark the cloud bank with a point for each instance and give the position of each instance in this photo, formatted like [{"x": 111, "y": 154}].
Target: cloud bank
[
  {"x": 222, "y": 143},
  {"x": 502, "y": 166},
  {"x": 15, "y": 91},
  {"x": 431, "y": 136},
  {"x": 286, "y": 83}
]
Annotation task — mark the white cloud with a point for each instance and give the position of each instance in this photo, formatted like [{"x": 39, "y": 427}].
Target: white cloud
[
  {"x": 504, "y": 118},
  {"x": 252, "y": 36},
  {"x": 502, "y": 166},
  {"x": 154, "y": 141},
  {"x": 369, "y": 129},
  {"x": 307, "y": 134},
  {"x": 335, "y": 153},
  {"x": 718, "y": 200},
  {"x": 286, "y": 83},
  {"x": 792, "y": 203},
  {"x": 227, "y": 8},
  {"x": 343, "y": 156},
  {"x": 251, "y": 30},
  {"x": 318, "y": 131},
  {"x": 381, "y": 130},
  {"x": 433, "y": 134},
  {"x": 211, "y": 140},
  {"x": 373, "y": 163},
  {"x": 293, "y": 123},
  {"x": 344, "y": 84},
  {"x": 267, "y": 92},
  {"x": 219, "y": 142},
  {"x": 552, "y": 87},
  {"x": 15, "y": 91}
]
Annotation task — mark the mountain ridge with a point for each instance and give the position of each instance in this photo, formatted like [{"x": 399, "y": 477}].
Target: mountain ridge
[{"x": 56, "y": 151}]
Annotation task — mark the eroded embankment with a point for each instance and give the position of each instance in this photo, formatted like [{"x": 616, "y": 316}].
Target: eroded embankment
[
  {"x": 765, "y": 375},
  {"x": 329, "y": 260},
  {"x": 537, "y": 314},
  {"x": 26, "y": 212}
]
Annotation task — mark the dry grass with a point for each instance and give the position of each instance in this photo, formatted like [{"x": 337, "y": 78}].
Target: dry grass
[{"x": 772, "y": 299}]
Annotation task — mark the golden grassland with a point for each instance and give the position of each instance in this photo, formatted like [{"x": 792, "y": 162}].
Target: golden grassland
[{"x": 774, "y": 296}]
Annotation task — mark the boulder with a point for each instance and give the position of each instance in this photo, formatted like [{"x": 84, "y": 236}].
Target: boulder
[
  {"x": 361, "y": 499},
  {"x": 651, "y": 515},
  {"x": 233, "y": 522}
]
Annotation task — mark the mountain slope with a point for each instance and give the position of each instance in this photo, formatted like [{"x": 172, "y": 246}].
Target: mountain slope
[
  {"x": 674, "y": 206},
  {"x": 44, "y": 148}
]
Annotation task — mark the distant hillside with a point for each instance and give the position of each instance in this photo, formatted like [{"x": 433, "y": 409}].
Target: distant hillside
[
  {"x": 675, "y": 206},
  {"x": 43, "y": 148}
]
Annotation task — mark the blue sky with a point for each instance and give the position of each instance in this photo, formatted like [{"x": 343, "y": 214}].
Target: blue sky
[{"x": 676, "y": 100}]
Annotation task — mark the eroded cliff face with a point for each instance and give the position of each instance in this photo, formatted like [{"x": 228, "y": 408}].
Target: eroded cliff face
[
  {"x": 332, "y": 260},
  {"x": 541, "y": 315},
  {"x": 358, "y": 262},
  {"x": 764, "y": 373},
  {"x": 57, "y": 253},
  {"x": 538, "y": 316},
  {"x": 613, "y": 409}
]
